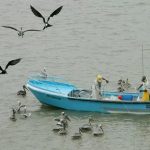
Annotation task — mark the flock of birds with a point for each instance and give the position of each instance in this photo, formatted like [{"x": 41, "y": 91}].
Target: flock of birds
[
  {"x": 16, "y": 61},
  {"x": 37, "y": 14},
  {"x": 62, "y": 121},
  {"x": 62, "y": 125},
  {"x": 20, "y": 92},
  {"x": 21, "y": 110}
]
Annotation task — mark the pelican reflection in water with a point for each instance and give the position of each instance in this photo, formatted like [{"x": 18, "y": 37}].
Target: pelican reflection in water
[{"x": 77, "y": 135}]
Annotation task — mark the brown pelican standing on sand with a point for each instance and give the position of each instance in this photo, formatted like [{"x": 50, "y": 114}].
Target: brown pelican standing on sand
[
  {"x": 23, "y": 92},
  {"x": 10, "y": 63},
  {"x": 20, "y": 32},
  {"x": 38, "y": 14}
]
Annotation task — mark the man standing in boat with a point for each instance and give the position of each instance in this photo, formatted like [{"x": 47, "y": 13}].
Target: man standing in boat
[
  {"x": 96, "y": 88},
  {"x": 144, "y": 83},
  {"x": 143, "y": 87}
]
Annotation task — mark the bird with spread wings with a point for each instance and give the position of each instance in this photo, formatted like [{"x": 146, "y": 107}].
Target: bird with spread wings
[
  {"x": 10, "y": 63},
  {"x": 38, "y": 14}
]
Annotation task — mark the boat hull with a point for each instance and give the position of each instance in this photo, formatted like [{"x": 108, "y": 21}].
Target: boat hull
[{"x": 85, "y": 104}]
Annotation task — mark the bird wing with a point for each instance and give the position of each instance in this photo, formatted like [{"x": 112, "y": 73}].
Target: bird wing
[
  {"x": 31, "y": 30},
  {"x": 36, "y": 13},
  {"x": 13, "y": 62},
  {"x": 1, "y": 68},
  {"x": 10, "y": 28},
  {"x": 55, "y": 12}
]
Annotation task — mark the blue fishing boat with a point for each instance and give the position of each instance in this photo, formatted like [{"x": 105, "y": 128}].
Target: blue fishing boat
[{"x": 51, "y": 92}]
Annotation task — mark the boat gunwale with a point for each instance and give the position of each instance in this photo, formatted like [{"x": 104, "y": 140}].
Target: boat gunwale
[{"x": 52, "y": 93}]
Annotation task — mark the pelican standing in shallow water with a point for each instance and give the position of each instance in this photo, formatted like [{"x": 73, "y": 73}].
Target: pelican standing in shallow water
[
  {"x": 23, "y": 92},
  {"x": 13, "y": 117},
  {"x": 10, "y": 63},
  {"x": 98, "y": 130},
  {"x": 87, "y": 127},
  {"x": 62, "y": 130},
  {"x": 63, "y": 119},
  {"x": 25, "y": 114},
  {"x": 19, "y": 107},
  {"x": 20, "y": 32},
  {"x": 38, "y": 14}
]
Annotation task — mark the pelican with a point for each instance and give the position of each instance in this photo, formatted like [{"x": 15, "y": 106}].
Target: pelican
[
  {"x": 25, "y": 114},
  {"x": 98, "y": 130},
  {"x": 19, "y": 107},
  {"x": 65, "y": 116},
  {"x": 44, "y": 73},
  {"x": 63, "y": 119},
  {"x": 63, "y": 123},
  {"x": 38, "y": 14},
  {"x": 87, "y": 127},
  {"x": 20, "y": 32},
  {"x": 10, "y": 63},
  {"x": 22, "y": 92},
  {"x": 13, "y": 117},
  {"x": 62, "y": 130},
  {"x": 77, "y": 135}
]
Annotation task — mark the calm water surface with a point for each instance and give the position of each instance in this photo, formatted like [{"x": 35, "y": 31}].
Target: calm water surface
[{"x": 87, "y": 37}]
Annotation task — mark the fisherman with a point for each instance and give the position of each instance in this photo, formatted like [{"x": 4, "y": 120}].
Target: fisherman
[
  {"x": 143, "y": 85},
  {"x": 146, "y": 96},
  {"x": 96, "y": 87}
]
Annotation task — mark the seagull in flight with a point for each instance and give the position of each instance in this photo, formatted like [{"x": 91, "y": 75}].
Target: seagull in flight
[
  {"x": 38, "y": 14},
  {"x": 20, "y": 32},
  {"x": 10, "y": 63}
]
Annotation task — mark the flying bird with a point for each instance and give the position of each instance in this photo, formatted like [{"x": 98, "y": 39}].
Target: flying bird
[
  {"x": 20, "y": 32},
  {"x": 38, "y": 14},
  {"x": 10, "y": 63}
]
